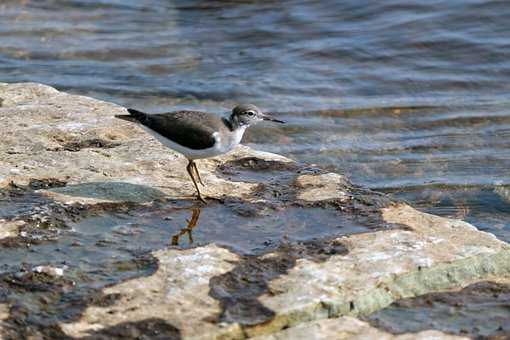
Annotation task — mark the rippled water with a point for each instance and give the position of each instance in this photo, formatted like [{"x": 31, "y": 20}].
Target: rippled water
[{"x": 409, "y": 97}]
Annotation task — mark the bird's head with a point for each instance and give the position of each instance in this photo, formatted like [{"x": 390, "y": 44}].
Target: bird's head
[{"x": 248, "y": 114}]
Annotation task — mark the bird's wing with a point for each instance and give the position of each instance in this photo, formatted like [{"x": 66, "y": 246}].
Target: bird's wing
[{"x": 181, "y": 129}]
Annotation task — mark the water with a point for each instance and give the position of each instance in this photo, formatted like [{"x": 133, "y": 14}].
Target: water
[
  {"x": 479, "y": 311},
  {"x": 408, "y": 97},
  {"x": 98, "y": 247}
]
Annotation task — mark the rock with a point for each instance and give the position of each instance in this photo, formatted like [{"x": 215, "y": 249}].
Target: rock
[
  {"x": 177, "y": 293},
  {"x": 482, "y": 306},
  {"x": 349, "y": 328},
  {"x": 433, "y": 254},
  {"x": 71, "y": 156},
  {"x": 10, "y": 228},
  {"x": 4, "y": 314},
  {"x": 321, "y": 187},
  {"x": 52, "y": 271},
  {"x": 380, "y": 267},
  {"x": 76, "y": 140}
]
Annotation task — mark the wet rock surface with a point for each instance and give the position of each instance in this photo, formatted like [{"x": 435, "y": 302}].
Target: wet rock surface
[
  {"x": 479, "y": 310},
  {"x": 238, "y": 290},
  {"x": 351, "y": 328},
  {"x": 102, "y": 238}
]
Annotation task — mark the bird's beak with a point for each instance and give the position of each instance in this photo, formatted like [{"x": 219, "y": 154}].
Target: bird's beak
[{"x": 269, "y": 118}]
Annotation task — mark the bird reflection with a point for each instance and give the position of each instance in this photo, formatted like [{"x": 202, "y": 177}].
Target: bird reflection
[{"x": 188, "y": 229}]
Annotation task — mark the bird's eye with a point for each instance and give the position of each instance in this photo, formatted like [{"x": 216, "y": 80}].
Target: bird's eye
[{"x": 250, "y": 113}]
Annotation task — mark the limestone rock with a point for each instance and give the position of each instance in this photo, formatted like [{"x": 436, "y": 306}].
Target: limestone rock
[
  {"x": 76, "y": 140},
  {"x": 177, "y": 293},
  {"x": 380, "y": 267},
  {"x": 321, "y": 187}
]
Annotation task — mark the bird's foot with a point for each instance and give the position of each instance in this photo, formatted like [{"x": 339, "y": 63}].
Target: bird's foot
[{"x": 201, "y": 199}]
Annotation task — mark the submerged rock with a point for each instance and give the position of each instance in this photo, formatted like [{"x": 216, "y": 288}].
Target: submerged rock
[
  {"x": 479, "y": 310},
  {"x": 65, "y": 159}
]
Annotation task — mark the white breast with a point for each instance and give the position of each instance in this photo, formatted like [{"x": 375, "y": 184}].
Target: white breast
[
  {"x": 221, "y": 146},
  {"x": 225, "y": 145}
]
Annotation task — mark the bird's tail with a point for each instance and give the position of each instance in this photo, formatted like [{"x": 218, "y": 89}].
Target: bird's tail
[{"x": 135, "y": 116}]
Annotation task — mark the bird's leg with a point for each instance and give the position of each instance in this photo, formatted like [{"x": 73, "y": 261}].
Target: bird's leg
[
  {"x": 198, "y": 174},
  {"x": 189, "y": 168}
]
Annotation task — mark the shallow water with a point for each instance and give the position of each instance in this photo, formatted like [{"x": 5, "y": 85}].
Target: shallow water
[
  {"x": 406, "y": 97},
  {"x": 89, "y": 243},
  {"x": 103, "y": 245}
]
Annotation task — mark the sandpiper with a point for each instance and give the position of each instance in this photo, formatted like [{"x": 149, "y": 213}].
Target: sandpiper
[{"x": 198, "y": 135}]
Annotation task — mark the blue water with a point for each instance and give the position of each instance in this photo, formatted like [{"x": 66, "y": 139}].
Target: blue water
[{"x": 410, "y": 97}]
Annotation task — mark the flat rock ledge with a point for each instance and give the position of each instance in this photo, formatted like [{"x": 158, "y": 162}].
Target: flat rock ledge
[
  {"x": 348, "y": 327},
  {"x": 70, "y": 150}
]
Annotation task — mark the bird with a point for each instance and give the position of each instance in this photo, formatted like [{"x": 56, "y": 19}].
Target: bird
[{"x": 197, "y": 134}]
